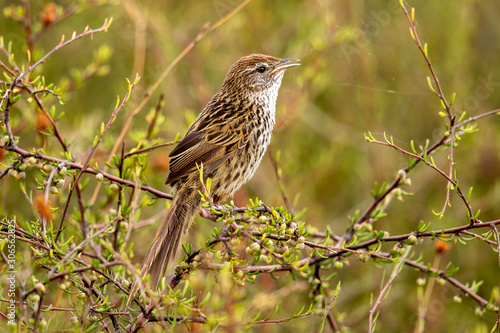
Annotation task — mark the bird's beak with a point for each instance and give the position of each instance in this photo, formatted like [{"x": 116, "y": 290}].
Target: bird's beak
[{"x": 286, "y": 63}]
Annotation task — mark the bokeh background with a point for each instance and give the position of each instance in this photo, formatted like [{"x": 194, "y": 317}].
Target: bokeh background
[{"x": 360, "y": 72}]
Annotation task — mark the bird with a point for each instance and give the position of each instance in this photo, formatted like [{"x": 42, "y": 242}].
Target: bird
[{"x": 228, "y": 139}]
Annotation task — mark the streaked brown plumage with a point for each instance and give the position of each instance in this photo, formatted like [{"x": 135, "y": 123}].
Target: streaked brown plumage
[{"x": 229, "y": 138}]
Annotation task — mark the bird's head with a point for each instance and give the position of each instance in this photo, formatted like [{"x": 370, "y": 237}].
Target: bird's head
[{"x": 257, "y": 73}]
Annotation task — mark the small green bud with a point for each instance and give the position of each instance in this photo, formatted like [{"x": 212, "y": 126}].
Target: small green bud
[
  {"x": 48, "y": 167},
  {"x": 338, "y": 264},
  {"x": 34, "y": 298},
  {"x": 255, "y": 246},
  {"x": 42, "y": 323},
  {"x": 421, "y": 280},
  {"x": 13, "y": 173},
  {"x": 234, "y": 241},
  {"x": 22, "y": 167},
  {"x": 21, "y": 175},
  {"x": 479, "y": 311},
  {"x": 99, "y": 177},
  {"x": 319, "y": 312},
  {"x": 125, "y": 283},
  {"x": 63, "y": 171},
  {"x": 40, "y": 287},
  {"x": 412, "y": 240},
  {"x": 300, "y": 246},
  {"x": 262, "y": 219},
  {"x": 60, "y": 183},
  {"x": 53, "y": 190},
  {"x": 441, "y": 281},
  {"x": 364, "y": 257},
  {"x": 113, "y": 187},
  {"x": 93, "y": 318},
  {"x": 457, "y": 299},
  {"x": 319, "y": 299}
]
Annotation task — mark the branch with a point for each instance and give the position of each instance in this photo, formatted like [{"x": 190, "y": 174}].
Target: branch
[
  {"x": 62, "y": 43},
  {"x": 74, "y": 165},
  {"x": 423, "y": 50},
  {"x": 475, "y": 118},
  {"x": 423, "y": 157},
  {"x": 385, "y": 291}
]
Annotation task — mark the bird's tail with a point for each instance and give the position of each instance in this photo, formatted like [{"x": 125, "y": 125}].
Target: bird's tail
[{"x": 179, "y": 217}]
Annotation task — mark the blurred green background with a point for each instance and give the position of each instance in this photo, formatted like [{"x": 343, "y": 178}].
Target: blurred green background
[{"x": 360, "y": 72}]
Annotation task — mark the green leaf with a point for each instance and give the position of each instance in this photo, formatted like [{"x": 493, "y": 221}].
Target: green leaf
[
  {"x": 274, "y": 313},
  {"x": 453, "y": 96},
  {"x": 429, "y": 83},
  {"x": 205, "y": 300}
]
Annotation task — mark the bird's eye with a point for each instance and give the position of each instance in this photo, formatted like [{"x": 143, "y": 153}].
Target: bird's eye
[{"x": 261, "y": 69}]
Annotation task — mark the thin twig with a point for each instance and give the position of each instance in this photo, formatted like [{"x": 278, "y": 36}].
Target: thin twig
[
  {"x": 430, "y": 163},
  {"x": 74, "y": 165},
  {"x": 385, "y": 291},
  {"x": 147, "y": 149},
  {"x": 87, "y": 31},
  {"x": 414, "y": 34},
  {"x": 279, "y": 178},
  {"x": 159, "y": 107},
  {"x": 444, "y": 102},
  {"x": 476, "y": 118}
]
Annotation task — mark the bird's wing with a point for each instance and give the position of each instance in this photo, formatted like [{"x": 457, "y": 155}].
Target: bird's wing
[{"x": 209, "y": 145}]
